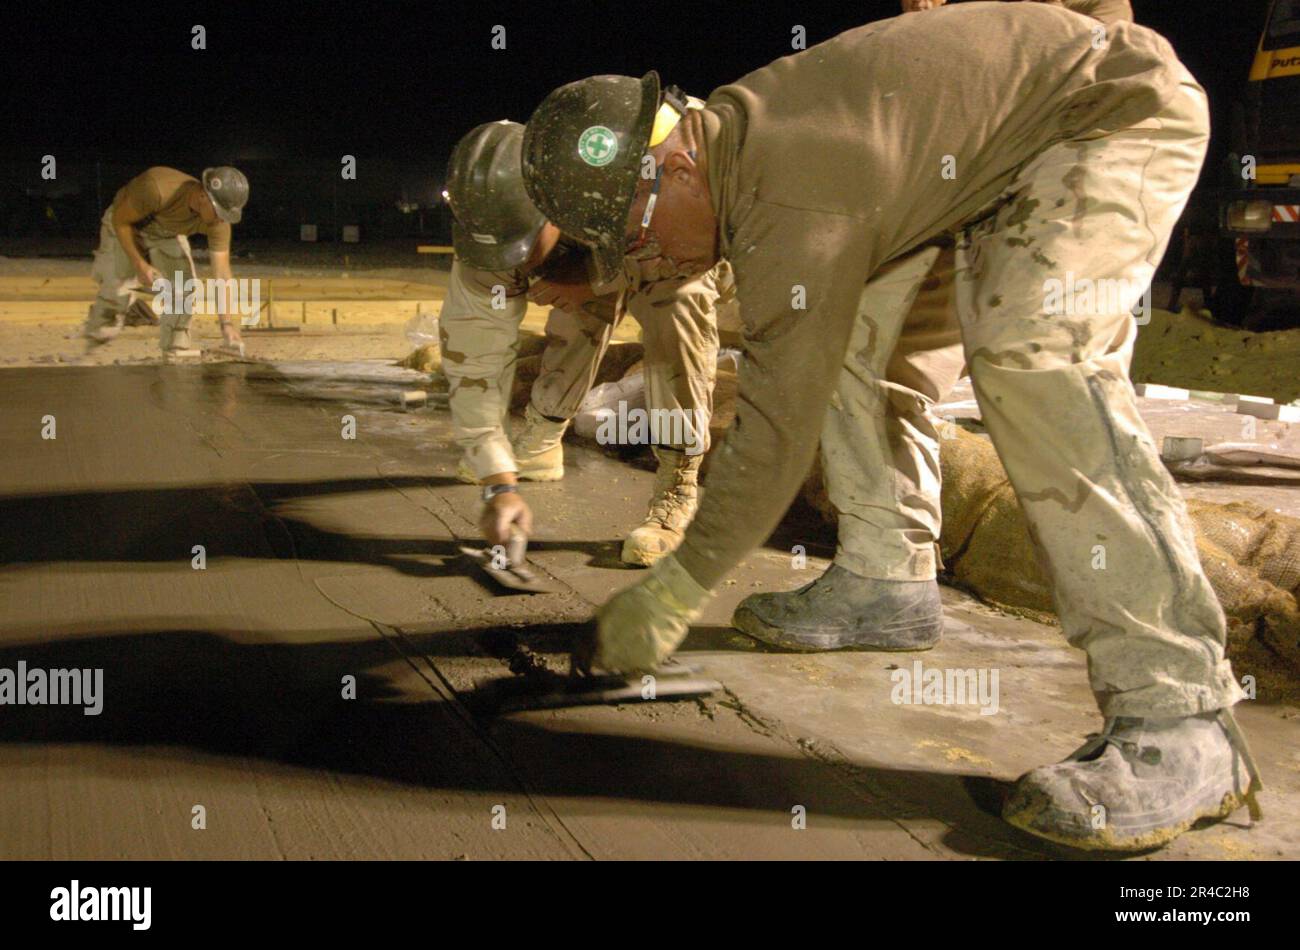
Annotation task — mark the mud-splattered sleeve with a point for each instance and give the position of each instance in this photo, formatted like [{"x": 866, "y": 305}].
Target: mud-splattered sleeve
[
  {"x": 798, "y": 278},
  {"x": 479, "y": 332}
]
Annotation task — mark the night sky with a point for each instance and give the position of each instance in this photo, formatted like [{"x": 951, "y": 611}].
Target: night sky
[{"x": 404, "y": 81}]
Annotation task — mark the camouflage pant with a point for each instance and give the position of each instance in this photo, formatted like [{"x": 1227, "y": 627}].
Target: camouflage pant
[
  {"x": 1034, "y": 300},
  {"x": 112, "y": 267},
  {"x": 679, "y": 332}
]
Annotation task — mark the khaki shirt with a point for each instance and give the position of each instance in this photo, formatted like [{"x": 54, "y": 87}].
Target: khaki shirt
[
  {"x": 826, "y": 164},
  {"x": 164, "y": 194}
]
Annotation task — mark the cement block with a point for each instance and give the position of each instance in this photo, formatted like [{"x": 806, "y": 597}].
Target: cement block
[
  {"x": 1154, "y": 391},
  {"x": 1269, "y": 410}
]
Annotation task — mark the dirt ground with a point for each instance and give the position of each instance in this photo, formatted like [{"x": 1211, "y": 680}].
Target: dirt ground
[{"x": 330, "y": 557}]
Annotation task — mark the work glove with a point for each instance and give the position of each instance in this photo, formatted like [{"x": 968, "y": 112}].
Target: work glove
[{"x": 638, "y": 628}]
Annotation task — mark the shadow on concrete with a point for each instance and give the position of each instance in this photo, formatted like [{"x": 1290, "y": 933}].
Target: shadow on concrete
[
  {"x": 283, "y": 703},
  {"x": 231, "y": 520}
]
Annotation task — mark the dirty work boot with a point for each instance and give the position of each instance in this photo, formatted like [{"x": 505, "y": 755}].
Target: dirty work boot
[
  {"x": 1139, "y": 784},
  {"x": 102, "y": 325},
  {"x": 840, "y": 611},
  {"x": 672, "y": 506},
  {"x": 174, "y": 332},
  {"x": 539, "y": 452}
]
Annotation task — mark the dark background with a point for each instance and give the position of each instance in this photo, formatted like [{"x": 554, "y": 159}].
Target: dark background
[{"x": 285, "y": 91}]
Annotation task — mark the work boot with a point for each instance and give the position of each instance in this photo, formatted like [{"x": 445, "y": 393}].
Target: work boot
[
  {"x": 841, "y": 611},
  {"x": 102, "y": 325},
  {"x": 1139, "y": 784},
  {"x": 539, "y": 452},
  {"x": 672, "y": 506},
  {"x": 174, "y": 332}
]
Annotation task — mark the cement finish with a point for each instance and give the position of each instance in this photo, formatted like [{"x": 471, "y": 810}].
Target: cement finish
[{"x": 330, "y": 557}]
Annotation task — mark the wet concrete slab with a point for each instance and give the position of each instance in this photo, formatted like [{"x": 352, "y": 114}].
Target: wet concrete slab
[{"x": 331, "y": 564}]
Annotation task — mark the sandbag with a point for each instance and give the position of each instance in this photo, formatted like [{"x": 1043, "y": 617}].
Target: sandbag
[{"x": 1250, "y": 554}]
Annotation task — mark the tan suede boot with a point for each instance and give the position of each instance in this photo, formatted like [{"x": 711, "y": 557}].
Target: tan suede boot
[
  {"x": 539, "y": 451},
  {"x": 676, "y": 496}
]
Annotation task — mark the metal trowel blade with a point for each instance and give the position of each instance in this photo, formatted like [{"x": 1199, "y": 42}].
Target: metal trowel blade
[
  {"x": 513, "y": 577},
  {"x": 560, "y": 693}
]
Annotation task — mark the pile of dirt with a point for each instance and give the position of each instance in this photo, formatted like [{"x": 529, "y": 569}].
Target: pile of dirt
[{"x": 1188, "y": 350}]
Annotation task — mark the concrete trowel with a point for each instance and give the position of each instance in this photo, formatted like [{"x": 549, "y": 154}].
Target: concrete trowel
[
  {"x": 509, "y": 567},
  {"x": 544, "y": 689}
]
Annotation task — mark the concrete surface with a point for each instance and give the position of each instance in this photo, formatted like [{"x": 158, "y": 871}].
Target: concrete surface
[{"x": 330, "y": 558}]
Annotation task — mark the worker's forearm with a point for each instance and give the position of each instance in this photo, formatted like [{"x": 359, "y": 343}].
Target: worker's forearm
[
  {"x": 127, "y": 238},
  {"x": 755, "y": 474},
  {"x": 794, "y": 352}
]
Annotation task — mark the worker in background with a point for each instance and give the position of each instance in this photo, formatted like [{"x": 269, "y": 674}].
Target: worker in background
[
  {"x": 144, "y": 238},
  {"x": 507, "y": 252},
  {"x": 888, "y": 224}
]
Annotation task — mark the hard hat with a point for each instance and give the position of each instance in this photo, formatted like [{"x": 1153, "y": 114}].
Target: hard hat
[
  {"x": 228, "y": 189},
  {"x": 582, "y": 156},
  {"x": 496, "y": 224}
]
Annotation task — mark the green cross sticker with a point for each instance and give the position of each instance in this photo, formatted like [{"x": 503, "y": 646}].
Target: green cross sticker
[{"x": 597, "y": 146}]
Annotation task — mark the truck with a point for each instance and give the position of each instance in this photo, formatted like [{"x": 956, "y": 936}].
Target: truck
[{"x": 1258, "y": 283}]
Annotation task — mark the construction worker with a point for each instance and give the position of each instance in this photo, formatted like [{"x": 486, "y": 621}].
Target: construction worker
[
  {"x": 144, "y": 238},
  {"x": 888, "y": 223},
  {"x": 506, "y": 252}
]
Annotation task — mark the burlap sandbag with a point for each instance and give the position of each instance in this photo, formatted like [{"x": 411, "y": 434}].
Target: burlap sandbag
[{"x": 1250, "y": 554}]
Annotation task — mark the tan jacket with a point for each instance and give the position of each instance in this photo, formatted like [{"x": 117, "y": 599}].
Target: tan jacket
[{"x": 826, "y": 164}]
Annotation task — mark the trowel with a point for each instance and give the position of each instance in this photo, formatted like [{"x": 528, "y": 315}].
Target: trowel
[
  {"x": 548, "y": 690},
  {"x": 509, "y": 566}
]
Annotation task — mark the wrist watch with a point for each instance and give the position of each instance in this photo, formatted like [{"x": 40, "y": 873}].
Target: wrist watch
[{"x": 491, "y": 491}]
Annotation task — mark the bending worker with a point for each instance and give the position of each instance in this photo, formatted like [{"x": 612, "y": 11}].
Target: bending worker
[
  {"x": 144, "y": 238},
  {"x": 887, "y": 224},
  {"x": 506, "y": 251}
]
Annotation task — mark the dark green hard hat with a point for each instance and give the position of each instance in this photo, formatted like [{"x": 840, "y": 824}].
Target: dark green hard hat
[
  {"x": 496, "y": 225},
  {"x": 582, "y": 158}
]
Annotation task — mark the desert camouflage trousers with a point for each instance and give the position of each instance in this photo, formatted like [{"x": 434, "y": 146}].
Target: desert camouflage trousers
[
  {"x": 112, "y": 268},
  {"x": 1034, "y": 301},
  {"x": 479, "y": 345}
]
